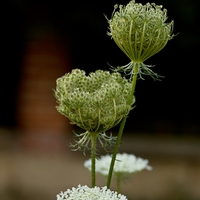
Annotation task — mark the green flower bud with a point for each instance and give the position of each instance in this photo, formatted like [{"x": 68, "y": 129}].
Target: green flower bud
[
  {"x": 96, "y": 102},
  {"x": 140, "y": 31}
]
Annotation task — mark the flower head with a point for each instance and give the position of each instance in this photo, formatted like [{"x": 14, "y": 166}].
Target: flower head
[
  {"x": 124, "y": 164},
  {"x": 96, "y": 102},
  {"x": 140, "y": 31},
  {"x": 84, "y": 192}
]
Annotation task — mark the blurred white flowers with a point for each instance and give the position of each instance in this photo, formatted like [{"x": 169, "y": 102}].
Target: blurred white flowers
[
  {"x": 125, "y": 163},
  {"x": 96, "y": 193}
]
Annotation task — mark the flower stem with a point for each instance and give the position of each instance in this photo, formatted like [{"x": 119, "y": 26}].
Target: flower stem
[
  {"x": 93, "y": 158},
  {"x": 115, "y": 151},
  {"x": 122, "y": 125}
]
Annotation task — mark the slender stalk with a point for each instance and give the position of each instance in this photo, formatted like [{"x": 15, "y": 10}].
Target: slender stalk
[
  {"x": 134, "y": 79},
  {"x": 121, "y": 128},
  {"x": 115, "y": 151},
  {"x": 93, "y": 158}
]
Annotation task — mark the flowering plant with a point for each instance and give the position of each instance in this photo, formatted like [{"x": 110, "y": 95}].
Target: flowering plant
[
  {"x": 140, "y": 31},
  {"x": 101, "y": 100},
  {"x": 95, "y": 103}
]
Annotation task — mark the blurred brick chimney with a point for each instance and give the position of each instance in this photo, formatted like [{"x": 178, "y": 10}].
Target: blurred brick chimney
[{"x": 41, "y": 126}]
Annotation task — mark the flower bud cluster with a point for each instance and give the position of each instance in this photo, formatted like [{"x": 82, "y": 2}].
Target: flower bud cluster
[
  {"x": 96, "y": 102},
  {"x": 85, "y": 192},
  {"x": 139, "y": 30}
]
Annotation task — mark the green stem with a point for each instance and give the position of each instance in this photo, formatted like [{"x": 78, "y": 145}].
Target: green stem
[
  {"x": 93, "y": 158},
  {"x": 136, "y": 69},
  {"x": 121, "y": 128},
  {"x": 115, "y": 151}
]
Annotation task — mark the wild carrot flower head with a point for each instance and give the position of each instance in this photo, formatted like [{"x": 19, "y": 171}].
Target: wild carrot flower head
[
  {"x": 96, "y": 193},
  {"x": 140, "y": 31},
  {"x": 96, "y": 102},
  {"x": 125, "y": 164}
]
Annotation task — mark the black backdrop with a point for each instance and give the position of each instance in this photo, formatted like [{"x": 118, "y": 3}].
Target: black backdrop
[{"x": 169, "y": 106}]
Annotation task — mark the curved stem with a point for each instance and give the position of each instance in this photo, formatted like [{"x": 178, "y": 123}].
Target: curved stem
[
  {"x": 121, "y": 128},
  {"x": 93, "y": 158}
]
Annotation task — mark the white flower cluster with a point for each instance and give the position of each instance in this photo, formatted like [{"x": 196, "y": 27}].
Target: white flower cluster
[
  {"x": 84, "y": 192},
  {"x": 125, "y": 163}
]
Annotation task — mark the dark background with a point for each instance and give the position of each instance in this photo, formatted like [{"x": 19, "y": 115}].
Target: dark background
[{"x": 168, "y": 106}]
